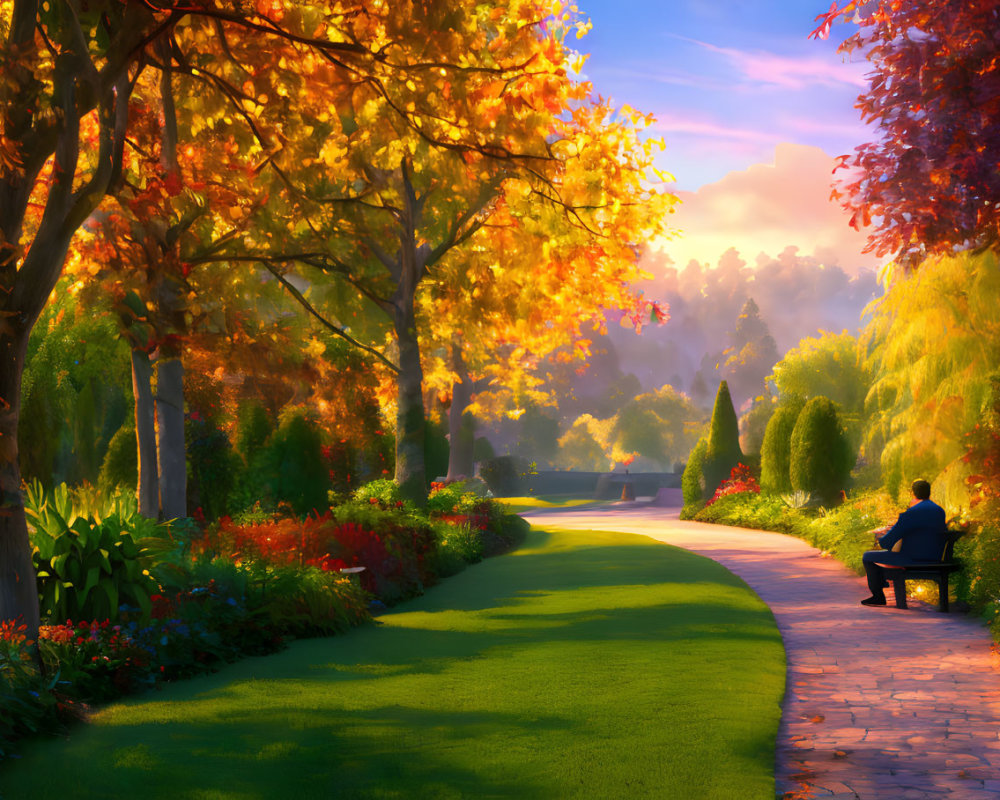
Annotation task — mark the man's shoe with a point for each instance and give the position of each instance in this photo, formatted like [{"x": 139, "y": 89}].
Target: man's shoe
[{"x": 873, "y": 601}]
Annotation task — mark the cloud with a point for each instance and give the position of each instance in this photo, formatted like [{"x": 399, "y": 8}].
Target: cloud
[
  {"x": 765, "y": 209},
  {"x": 855, "y": 130},
  {"x": 668, "y": 77},
  {"x": 788, "y": 72},
  {"x": 703, "y": 127}
]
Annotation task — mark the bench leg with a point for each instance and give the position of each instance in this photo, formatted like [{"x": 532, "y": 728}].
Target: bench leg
[
  {"x": 943, "y": 592},
  {"x": 899, "y": 589}
]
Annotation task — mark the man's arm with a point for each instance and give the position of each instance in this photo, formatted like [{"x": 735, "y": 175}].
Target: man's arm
[{"x": 894, "y": 534}]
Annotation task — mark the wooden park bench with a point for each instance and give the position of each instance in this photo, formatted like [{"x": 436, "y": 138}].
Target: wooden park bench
[{"x": 939, "y": 571}]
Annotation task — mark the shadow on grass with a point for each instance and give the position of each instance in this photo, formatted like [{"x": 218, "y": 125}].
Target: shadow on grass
[
  {"x": 298, "y": 753},
  {"x": 585, "y": 665}
]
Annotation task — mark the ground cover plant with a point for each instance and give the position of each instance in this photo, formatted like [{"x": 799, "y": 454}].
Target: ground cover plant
[{"x": 582, "y": 665}]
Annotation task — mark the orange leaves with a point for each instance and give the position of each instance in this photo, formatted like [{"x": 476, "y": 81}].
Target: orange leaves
[
  {"x": 822, "y": 31},
  {"x": 273, "y": 9},
  {"x": 860, "y": 218}
]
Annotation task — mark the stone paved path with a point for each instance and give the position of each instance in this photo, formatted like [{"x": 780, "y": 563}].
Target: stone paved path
[{"x": 881, "y": 703}]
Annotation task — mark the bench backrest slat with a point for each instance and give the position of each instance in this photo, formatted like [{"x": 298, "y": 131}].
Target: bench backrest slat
[{"x": 949, "y": 546}]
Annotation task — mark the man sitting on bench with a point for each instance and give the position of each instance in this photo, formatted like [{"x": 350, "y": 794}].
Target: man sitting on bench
[{"x": 923, "y": 531}]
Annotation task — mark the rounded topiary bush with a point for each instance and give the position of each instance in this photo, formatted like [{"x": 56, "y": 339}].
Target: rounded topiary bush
[
  {"x": 121, "y": 462},
  {"x": 693, "y": 481},
  {"x": 503, "y": 474},
  {"x": 821, "y": 455},
  {"x": 776, "y": 449}
]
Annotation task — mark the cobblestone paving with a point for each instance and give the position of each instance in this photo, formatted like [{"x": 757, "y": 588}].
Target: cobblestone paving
[{"x": 880, "y": 703}]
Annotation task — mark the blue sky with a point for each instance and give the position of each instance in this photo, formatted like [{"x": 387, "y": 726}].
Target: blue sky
[{"x": 727, "y": 80}]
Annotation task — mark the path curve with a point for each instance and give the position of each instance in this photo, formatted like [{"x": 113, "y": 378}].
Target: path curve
[{"x": 880, "y": 703}]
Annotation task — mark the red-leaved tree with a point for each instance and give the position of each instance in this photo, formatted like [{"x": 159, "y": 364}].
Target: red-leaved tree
[{"x": 930, "y": 182}]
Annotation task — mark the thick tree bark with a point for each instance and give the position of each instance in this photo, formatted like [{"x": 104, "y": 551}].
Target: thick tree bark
[
  {"x": 148, "y": 490},
  {"x": 411, "y": 423},
  {"x": 411, "y": 473},
  {"x": 170, "y": 448},
  {"x": 18, "y": 590},
  {"x": 461, "y": 424}
]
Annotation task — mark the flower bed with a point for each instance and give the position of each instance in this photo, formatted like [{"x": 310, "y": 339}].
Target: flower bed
[{"x": 229, "y": 591}]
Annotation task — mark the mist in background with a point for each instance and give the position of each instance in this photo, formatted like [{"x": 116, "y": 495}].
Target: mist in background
[{"x": 797, "y": 296}]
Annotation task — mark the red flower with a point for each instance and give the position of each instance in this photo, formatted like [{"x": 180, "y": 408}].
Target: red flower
[{"x": 740, "y": 480}]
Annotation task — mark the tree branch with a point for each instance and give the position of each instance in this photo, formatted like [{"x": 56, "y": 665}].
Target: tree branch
[{"x": 323, "y": 320}]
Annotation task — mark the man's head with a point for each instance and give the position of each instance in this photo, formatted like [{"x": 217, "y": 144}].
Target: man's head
[{"x": 921, "y": 490}]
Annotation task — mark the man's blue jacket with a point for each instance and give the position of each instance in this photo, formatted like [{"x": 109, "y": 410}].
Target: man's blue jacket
[{"x": 922, "y": 528}]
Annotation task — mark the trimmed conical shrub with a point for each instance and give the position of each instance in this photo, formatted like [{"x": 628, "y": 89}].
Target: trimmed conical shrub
[
  {"x": 776, "y": 450},
  {"x": 723, "y": 451},
  {"x": 821, "y": 455}
]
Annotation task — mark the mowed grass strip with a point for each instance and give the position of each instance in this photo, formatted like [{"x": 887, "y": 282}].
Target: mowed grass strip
[
  {"x": 531, "y": 503},
  {"x": 586, "y": 664}
]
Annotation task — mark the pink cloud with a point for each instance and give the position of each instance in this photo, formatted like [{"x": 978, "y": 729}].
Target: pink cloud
[
  {"x": 686, "y": 125},
  {"x": 810, "y": 125},
  {"x": 765, "y": 209},
  {"x": 789, "y": 72},
  {"x": 670, "y": 78}
]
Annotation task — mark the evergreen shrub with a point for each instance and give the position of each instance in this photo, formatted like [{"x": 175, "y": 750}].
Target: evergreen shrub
[
  {"x": 821, "y": 456},
  {"x": 121, "y": 462},
  {"x": 212, "y": 467},
  {"x": 504, "y": 474},
  {"x": 776, "y": 450},
  {"x": 723, "y": 450},
  {"x": 296, "y": 471},
  {"x": 693, "y": 481}
]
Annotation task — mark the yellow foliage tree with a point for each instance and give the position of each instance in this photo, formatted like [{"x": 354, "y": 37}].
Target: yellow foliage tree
[{"x": 930, "y": 347}]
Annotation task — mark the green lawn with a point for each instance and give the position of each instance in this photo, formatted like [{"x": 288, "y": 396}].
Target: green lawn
[
  {"x": 531, "y": 502},
  {"x": 584, "y": 665}
]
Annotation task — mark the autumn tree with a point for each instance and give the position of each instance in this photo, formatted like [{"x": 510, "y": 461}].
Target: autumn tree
[
  {"x": 401, "y": 205},
  {"x": 60, "y": 66},
  {"x": 930, "y": 182},
  {"x": 541, "y": 279},
  {"x": 68, "y": 71}
]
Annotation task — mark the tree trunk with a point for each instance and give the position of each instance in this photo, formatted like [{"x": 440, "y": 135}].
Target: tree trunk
[
  {"x": 18, "y": 588},
  {"x": 461, "y": 424},
  {"x": 410, "y": 422},
  {"x": 148, "y": 489},
  {"x": 170, "y": 438}
]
